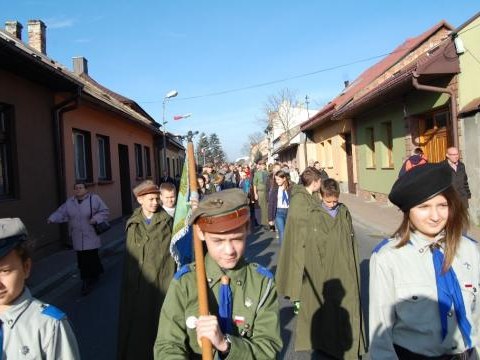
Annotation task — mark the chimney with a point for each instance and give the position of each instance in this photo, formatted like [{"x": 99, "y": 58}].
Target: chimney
[
  {"x": 346, "y": 83},
  {"x": 80, "y": 65},
  {"x": 14, "y": 28},
  {"x": 37, "y": 35}
]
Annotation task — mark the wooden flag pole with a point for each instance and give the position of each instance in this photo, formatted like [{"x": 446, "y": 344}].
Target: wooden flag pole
[{"x": 207, "y": 353}]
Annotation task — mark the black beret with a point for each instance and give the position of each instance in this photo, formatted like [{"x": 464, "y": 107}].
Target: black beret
[
  {"x": 420, "y": 184},
  {"x": 12, "y": 233}
]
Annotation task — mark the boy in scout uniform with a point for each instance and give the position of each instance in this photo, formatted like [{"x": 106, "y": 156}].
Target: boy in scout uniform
[
  {"x": 242, "y": 294},
  {"x": 29, "y": 329}
]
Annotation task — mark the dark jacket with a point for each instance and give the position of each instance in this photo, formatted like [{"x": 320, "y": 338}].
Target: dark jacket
[
  {"x": 411, "y": 162},
  {"x": 460, "y": 181},
  {"x": 272, "y": 201},
  {"x": 148, "y": 269},
  {"x": 318, "y": 265}
]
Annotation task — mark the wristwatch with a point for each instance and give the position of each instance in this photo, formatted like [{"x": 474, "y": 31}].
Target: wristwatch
[{"x": 227, "y": 339}]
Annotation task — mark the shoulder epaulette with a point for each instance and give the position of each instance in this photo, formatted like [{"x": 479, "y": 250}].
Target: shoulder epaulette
[
  {"x": 182, "y": 271},
  {"x": 381, "y": 244},
  {"x": 53, "y": 312},
  {"x": 264, "y": 271},
  {"x": 470, "y": 238}
]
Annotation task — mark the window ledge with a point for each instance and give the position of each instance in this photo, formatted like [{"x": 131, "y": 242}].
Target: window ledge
[
  {"x": 105, "y": 182},
  {"x": 388, "y": 168},
  {"x": 371, "y": 168}
]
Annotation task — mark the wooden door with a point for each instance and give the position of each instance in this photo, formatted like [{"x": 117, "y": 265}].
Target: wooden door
[{"x": 435, "y": 136}]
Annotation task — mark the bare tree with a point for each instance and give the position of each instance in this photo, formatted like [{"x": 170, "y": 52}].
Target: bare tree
[
  {"x": 279, "y": 111},
  {"x": 253, "y": 139}
]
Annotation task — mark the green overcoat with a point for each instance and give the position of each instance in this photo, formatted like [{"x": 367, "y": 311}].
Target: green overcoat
[
  {"x": 148, "y": 270},
  {"x": 318, "y": 265},
  {"x": 260, "y": 180},
  {"x": 256, "y": 320}
]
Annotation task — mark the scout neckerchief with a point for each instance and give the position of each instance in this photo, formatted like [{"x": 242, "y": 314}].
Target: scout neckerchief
[
  {"x": 225, "y": 305},
  {"x": 449, "y": 292},
  {"x": 285, "y": 199}
]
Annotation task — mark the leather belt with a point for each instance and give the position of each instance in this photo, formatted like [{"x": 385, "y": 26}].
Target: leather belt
[{"x": 405, "y": 354}]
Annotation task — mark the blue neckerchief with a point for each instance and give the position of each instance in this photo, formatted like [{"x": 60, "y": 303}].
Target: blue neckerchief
[
  {"x": 448, "y": 291},
  {"x": 1, "y": 335},
  {"x": 225, "y": 306},
  {"x": 148, "y": 221},
  {"x": 285, "y": 199}
]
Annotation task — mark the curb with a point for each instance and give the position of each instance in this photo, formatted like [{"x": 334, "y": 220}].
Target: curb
[{"x": 53, "y": 281}]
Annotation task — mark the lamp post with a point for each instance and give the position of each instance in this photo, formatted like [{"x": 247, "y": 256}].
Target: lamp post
[{"x": 169, "y": 95}]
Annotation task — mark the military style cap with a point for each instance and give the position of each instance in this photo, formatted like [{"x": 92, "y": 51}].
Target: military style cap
[
  {"x": 222, "y": 211},
  {"x": 147, "y": 188},
  {"x": 12, "y": 233},
  {"x": 420, "y": 184}
]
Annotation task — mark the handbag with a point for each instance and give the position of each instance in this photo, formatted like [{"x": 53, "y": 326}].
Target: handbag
[{"x": 100, "y": 227}]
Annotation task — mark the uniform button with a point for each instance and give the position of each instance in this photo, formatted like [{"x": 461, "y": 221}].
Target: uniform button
[
  {"x": 450, "y": 314},
  {"x": 209, "y": 280},
  {"x": 10, "y": 322},
  {"x": 414, "y": 297},
  {"x": 421, "y": 250},
  {"x": 239, "y": 282}
]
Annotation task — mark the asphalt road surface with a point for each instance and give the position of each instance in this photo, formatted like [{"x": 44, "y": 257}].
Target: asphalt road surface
[{"x": 95, "y": 317}]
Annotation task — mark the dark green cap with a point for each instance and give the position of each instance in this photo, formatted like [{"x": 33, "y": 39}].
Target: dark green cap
[{"x": 221, "y": 211}]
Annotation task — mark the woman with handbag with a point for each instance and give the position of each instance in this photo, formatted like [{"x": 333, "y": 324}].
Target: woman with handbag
[{"x": 83, "y": 212}]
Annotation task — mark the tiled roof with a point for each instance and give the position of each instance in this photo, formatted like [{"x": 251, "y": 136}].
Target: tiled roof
[
  {"x": 88, "y": 86},
  {"x": 372, "y": 73}
]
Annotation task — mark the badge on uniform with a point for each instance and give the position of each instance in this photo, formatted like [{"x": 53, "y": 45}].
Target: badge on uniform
[
  {"x": 248, "y": 302},
  {"x": 239, "y": 320},
  {"x": 191, "y": 322}
]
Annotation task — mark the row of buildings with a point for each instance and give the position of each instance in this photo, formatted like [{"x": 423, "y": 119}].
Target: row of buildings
[
  {"x": 60, "y": 126},
  {"x": 425, "y": 93}
]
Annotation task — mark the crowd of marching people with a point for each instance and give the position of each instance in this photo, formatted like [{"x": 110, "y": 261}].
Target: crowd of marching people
[{"x": 424, "y": 280}]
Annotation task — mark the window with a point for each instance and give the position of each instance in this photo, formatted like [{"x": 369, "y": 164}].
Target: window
[
  {"x": 83, "y": 155},
  {"x": 387, "y": 141},
  {"x": 139, "y": 160},
  {"x": 6, "y": 152},
  {"x": 329, "y": 153},
  {"x": 168, "y": 166},
  {"x": 148, "y": 166},
  {"x": 104, "y": 166},
  {"x": 370, "y": 147}
]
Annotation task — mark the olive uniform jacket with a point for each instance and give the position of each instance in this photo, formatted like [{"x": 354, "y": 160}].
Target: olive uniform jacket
[
  {"x": 256, "y": 329},
  {"x": 148, "y": 270},
  {"x": 318, "y": 265}
]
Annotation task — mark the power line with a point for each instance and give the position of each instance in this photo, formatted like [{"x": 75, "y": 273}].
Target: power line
[{"x": 259, "y": 85}]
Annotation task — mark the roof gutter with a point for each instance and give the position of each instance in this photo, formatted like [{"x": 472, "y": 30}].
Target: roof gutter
[
  {"x": 58, "y": 110},
  {"x": 453, "y": 104}
]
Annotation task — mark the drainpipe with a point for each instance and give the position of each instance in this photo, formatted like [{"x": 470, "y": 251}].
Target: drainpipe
[
  {"x": 58, "y": 110},
  {"x": 305, "y": 150},
  {"x": 453, "y": 103}
]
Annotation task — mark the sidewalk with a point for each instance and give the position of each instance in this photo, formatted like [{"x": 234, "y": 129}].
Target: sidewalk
[
  {"x": 50, "y": 271},
  {"x": 382, "y": 218}
]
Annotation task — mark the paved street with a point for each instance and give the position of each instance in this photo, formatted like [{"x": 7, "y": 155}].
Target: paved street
[{"x": 94, "y": 317}]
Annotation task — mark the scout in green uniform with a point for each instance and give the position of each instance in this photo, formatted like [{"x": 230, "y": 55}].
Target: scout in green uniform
[
  {"x": 242, "y": 294},
  {"x": 29, "y": 329},
  {"x": 260, "y": 180},
  {"x": 148, "y": 270},
  {"x": 318, "y": 267}
]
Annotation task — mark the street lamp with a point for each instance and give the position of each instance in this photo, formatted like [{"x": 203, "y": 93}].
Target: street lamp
[{"x": 169, "y": 95}]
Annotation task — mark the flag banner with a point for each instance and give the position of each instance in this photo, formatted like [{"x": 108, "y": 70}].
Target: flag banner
[
  {"x": 179, "y": 117},
  {"x": 181, "y": 244}
]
